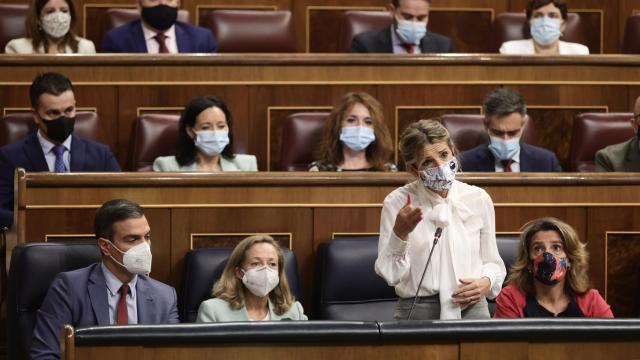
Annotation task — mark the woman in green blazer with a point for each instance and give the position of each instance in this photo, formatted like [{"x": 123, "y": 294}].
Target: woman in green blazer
[
  {"x": 205, "y": 141},
  {"x": 253, "y": 286}
]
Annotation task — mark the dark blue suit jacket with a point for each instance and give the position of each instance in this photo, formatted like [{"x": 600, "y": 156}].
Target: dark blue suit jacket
[
  {"x": 79, "y": 298},
  {"x": 532, "y": 159},
  {"x": 129, "y": 38},
  {"x": 379, "y": 41},
  {"x": 86, "y": 155}
]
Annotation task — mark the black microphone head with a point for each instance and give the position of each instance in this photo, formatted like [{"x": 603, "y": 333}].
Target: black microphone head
[{"x": 438, "y": 232}]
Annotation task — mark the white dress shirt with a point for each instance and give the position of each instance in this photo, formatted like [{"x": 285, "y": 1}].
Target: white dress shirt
[
  {"x": 153, "y": 47},
  {"x": 113, "y": 296},
  {"x": 50, "y": 156},
  {"x": 467, "y": 247},
  {"x": 398, "y": 45},
  {"x": 526, "y": 47},
  {"x": 515, "y": 163}
]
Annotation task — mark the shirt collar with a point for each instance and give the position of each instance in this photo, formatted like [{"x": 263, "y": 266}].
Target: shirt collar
[
  {"x": 150, "y": 34},
  {"x": 114, "y": 284},
  {"x": 395, "y": 39},
  {"x": 47, "y": 145}
]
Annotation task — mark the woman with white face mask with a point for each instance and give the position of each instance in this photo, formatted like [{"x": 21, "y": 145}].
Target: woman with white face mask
[
  {"x": 49, "y": 27},
  {"x": 464, "y": 267},
  {"x": 355, "y": 137},
  {"x": 205, "y": 141},
  {"x": 547, "y": 20},
  {"x": 253, "y": 286}
]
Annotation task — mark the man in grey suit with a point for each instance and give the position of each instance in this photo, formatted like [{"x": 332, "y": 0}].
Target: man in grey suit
[
  {"x": 407, "y": 35},
  {"x": 115, "y": 291},
  {"x": 624, "y": 156}
]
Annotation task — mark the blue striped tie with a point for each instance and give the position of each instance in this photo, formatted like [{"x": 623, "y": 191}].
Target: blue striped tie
[{"x": 59, "y": 150}]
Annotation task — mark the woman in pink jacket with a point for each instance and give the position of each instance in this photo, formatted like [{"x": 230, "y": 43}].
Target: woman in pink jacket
[{"x": 549, "y": 278}]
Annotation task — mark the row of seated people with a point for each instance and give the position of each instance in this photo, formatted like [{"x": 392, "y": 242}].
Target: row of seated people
[
  {"x": 89, "y": 284},
  {"x": 159, "y": 27},
  {"x": 353, "y": 137}
]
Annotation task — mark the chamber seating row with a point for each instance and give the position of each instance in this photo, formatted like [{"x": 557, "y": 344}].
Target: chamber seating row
[
  {"x": 156, "y": 135},
  {"x": 346, "y": 286},
  {"x": 272, "y": 31}
]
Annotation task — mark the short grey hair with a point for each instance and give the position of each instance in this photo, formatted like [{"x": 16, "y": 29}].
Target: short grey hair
[{"x": 503, "y": 102}]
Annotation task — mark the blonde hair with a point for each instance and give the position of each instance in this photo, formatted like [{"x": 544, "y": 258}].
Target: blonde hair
[
  {"x": 231, "y": 289},
  {"x": 577, "y": 279},
  {"x": 378, "y": 153},
  {"x": 421, "y": 133}
]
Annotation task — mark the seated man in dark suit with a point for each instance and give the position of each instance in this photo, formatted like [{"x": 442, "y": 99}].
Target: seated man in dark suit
[
  {"x": 624, "y": 156},
  {"x": 407, "y": 35},
  {"x": 504, "y": 116},
  {"x": 115, "y": 291},
  {"x": 158, "y": 32},
  {"x": 52, "y": 147}
]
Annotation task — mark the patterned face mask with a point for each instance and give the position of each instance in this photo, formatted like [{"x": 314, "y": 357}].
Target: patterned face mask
[
  {"x": 548, "y": 268},
  {"x": 440, "y": 178}
]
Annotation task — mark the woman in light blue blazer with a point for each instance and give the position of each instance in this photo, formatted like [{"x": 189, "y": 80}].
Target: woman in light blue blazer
[
  {"x": 205, "y": 141},
  {"x": 253, "y": 286}
]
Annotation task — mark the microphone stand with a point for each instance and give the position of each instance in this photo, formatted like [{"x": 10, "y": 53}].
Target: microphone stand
[{"x": 436, "y": 237}]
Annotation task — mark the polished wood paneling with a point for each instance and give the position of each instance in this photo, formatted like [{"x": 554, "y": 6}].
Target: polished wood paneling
[
  {"x": 623, "y": 272},
  {"x": 274, "y": 352}
]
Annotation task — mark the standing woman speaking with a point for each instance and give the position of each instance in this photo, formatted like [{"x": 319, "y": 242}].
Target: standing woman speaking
[{"x": 464, "y": 266}]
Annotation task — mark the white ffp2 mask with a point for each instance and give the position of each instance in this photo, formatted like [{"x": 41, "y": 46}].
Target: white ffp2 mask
[
  {"x": 136, "y": 260},
  {"x": 260, "y": 281}
]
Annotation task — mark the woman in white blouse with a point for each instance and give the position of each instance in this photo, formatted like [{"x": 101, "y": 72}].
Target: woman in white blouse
[
  {"x": 547, "y": 20},
  {"x": 49, "y": 24},
  {"x": 465, "y": 266}
]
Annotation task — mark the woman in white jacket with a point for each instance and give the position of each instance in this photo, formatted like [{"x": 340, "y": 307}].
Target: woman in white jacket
[
  {"x": 547, "y": 20},
  {"x": 465, "y": 266}
]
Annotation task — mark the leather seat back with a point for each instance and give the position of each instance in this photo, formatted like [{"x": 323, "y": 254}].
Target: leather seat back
[
  {"x": 301, "y": 136},
  {"x": 33, "y": 268},
  {"x": 356, "y": 22}
]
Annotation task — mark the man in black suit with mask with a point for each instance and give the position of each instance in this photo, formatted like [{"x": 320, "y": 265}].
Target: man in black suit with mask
[
  {"x": 52, "y": 147},
  {"x": 407, "y": 35}
]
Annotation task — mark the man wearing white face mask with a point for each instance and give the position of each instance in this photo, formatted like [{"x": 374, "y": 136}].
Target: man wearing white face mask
[
  {"x": 115, "y": 291},
  {"x": 505, "y": 112},
  {"x": 407, "y": 35},
  {"x": 547, "y": 20}
]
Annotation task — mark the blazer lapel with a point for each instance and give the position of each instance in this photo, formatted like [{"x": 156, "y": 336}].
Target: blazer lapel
[
  {"x": 487, "y": 161},
  {"x": 77, "y": 153},
  {"x": 139, "y": 43},
  {"x": 33, "y": 151},
  {"x": 182, "y": 39},
  {"x": 98, "y": 295},
  {"x": 384, "y": 41},
  {"x": 426, "y": 45},
  {"x": 144, "y": 302}
]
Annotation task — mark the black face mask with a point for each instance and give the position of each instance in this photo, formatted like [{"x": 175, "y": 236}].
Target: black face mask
[
  {"x": 59, "y": 129},
  {"x": 160, "y": 17}
]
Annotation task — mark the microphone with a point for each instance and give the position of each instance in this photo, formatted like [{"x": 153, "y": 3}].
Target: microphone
[{"x": 436, "y": 237}]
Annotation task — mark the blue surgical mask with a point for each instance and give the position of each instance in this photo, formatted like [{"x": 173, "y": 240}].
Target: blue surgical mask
[
  {"x": 357, "y": 138},
  {"x": 210, "y": 142},
  {"x": 545, "y": 30},
  {"x": 504, "y": 149},
  {"x": 411, "y": 32}
]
